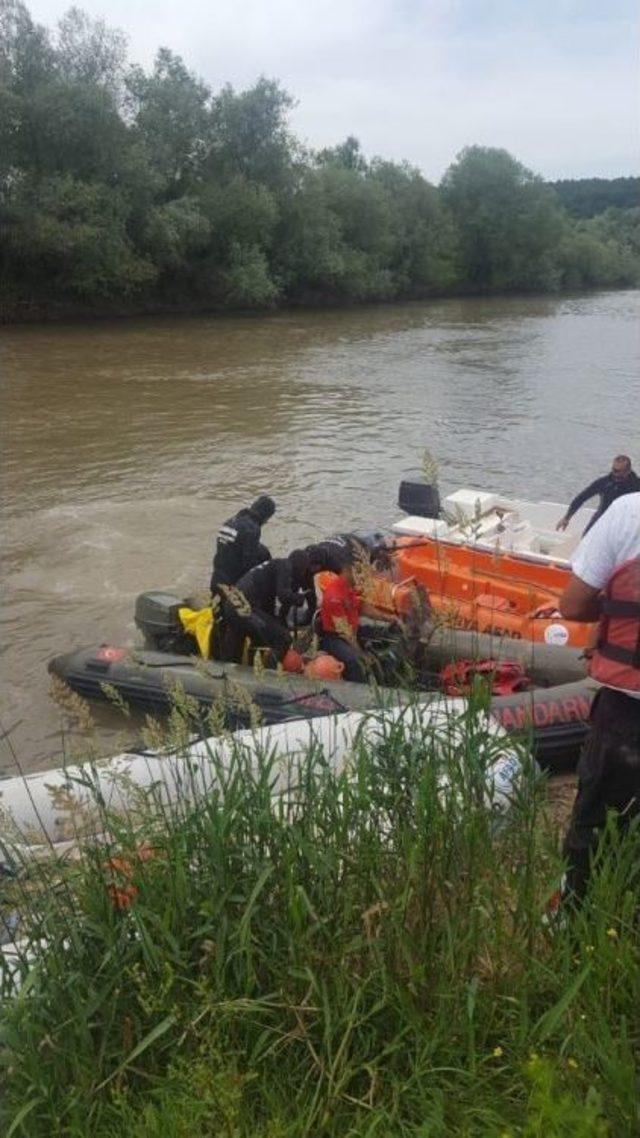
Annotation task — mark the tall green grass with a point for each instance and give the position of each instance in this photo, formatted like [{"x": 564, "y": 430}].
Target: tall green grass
[{"x": 362, "y": 954}]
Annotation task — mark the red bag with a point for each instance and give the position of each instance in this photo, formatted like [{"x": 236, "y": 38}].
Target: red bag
[{"x": 505, "y": 676}]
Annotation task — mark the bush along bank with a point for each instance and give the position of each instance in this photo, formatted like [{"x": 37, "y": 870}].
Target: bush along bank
[
  {"x": 364, "y": 953},
  {"x": 124, "y": 190}
]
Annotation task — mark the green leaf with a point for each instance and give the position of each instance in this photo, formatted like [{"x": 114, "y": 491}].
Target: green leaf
[
  {"x": 144, "y": 1044},
  {"x": 548, "y": 1022},
  {"x": 21, "y": 1115}
]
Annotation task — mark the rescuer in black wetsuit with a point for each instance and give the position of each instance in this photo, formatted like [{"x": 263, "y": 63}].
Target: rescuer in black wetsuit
[
  {"x": 620, "y": 480},
  {"x": 332, "y": 554},
  {"x": 257, "y": 606},
  {"x": 238, "y": 546}
]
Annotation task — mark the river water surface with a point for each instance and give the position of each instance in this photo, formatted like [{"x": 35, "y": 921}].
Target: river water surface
[{"x": 126, "y": 444}]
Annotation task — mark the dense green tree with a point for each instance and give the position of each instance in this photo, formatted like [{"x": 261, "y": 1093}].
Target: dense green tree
[
  {"x": 247, "y": 280},
  {"x": 240, "y": 212},
  {"x": 88, "y": 52},
  {"x": 347, "y": 154},
  {"x": 175, "y": 232},
  {"x": 357, "y": 231},
  {"x": 121, "y": 186},
  {"x": 604, "y": 250},
  {"x": 26, "y": 53},
  {"x": 310, "y": 255},
  {"x": 338, "y": 238},
  {"x": 77, "y": 240},
  {"x": 586, "y": 197},
  {"x": 251, "y": 135},
  {"x": 425, "y": 243},
  {"x": 620, "y": 226},
  {"x": 172, "y": 118},
  {"x": 508, "y": 221},
  {"x": 71, "y": 128},
  {"x": 26, "y": 61},
  {"x": 235, "y": 268}
]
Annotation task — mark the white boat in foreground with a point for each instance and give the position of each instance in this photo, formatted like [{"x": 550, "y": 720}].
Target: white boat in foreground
[
  {"x": 49, "y": 811},
  {"x": 53, "y": 807}
]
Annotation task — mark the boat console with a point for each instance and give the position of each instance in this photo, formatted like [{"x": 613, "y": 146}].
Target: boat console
[{"x": 491, "y": 522}]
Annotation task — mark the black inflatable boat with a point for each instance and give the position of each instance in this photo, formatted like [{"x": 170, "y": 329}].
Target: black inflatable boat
[{"x": 554, "y": 714}]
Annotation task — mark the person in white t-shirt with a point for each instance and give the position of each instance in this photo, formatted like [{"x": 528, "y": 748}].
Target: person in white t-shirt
[{"x": 605, "y": 586}]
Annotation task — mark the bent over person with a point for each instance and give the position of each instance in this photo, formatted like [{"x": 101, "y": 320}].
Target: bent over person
[
  {"x": 238, "y": 546},
  {"x": 339, "y": 623},
  {"x": 605, "y": 586},
  {"x": 621, "y": 479},
  {"x": 256, "y": 608}
]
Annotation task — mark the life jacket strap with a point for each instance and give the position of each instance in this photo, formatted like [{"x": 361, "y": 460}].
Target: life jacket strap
[
  {"x": 629, "y": 656},
  {"x": 625, "y": 609}
]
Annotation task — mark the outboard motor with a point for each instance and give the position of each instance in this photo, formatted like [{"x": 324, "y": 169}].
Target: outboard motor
[
  {"x": 371, "y": 539},
  {"x": 375, "y": 544},
  {"x": 156, "y": 615},
  {"x": 420, "y": 498}
]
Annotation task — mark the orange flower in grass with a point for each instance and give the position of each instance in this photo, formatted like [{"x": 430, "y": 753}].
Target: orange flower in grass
[
  {"x": 120, "y": 865},
  {"x": 121, "y": 891},
  {"x": 122, "y": 896}
]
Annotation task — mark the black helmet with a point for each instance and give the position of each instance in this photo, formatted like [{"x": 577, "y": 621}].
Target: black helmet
[
  {"x": 300, "y": 565},
  {"x": 317, "y": 557},
  {"x": 321, "y": 559},
  {"x": 263, "y": 508}
]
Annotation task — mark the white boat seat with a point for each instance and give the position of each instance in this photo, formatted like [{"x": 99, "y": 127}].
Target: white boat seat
[{"x": 421, "y": 527}]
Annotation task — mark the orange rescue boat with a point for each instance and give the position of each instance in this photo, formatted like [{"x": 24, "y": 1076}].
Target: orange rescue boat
[{"x": 488, "y": 563}]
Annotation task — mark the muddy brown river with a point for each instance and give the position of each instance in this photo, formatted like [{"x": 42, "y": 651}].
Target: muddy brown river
[{"x": 124, "y": 445}]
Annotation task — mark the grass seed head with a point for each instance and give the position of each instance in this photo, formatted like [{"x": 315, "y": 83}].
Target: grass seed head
[
  {"x": 430, "y": 467},
  {"x": 73, "y": 705},
  {"x": 236, "y": 598}
]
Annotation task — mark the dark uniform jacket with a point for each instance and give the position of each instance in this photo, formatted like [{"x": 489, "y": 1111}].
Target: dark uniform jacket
[
  {"x": 270, "y": 582},
  {"x": 238, "y": 549}
]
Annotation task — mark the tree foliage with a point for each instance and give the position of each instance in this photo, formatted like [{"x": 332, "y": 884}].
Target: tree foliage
[
  {"x": 124, "y": 186},
  {"x": 508, "y": 220},
  {"x": 586, "y": 197}
]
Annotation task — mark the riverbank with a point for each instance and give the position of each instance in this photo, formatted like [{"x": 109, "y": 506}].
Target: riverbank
[
  {"x": 54, "y": 312},
  {"x": 367, "y": 956}
]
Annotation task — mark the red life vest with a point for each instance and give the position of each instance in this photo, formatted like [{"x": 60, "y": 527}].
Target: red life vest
[
  {"x": 616, "y": 659},
  {"x": 340, "y": 602}
]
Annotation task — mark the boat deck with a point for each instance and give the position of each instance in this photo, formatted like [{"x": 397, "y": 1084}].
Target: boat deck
[{"x": 497, "y": 524}]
